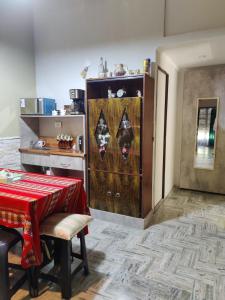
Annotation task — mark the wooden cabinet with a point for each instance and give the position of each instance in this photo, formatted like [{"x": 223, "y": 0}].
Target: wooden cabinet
[{"x": 120, "y": 138}]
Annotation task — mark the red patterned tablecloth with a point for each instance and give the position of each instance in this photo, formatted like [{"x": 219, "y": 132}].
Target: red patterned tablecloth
[{"x": 27, "y": 202}]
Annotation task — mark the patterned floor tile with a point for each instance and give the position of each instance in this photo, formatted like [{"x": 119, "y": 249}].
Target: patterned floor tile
[{"x": 181, "y": 256}]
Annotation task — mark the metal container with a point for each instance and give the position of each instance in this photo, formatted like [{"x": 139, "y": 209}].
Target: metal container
[
  {"x": 77, "y": 106},
  {"x": 37, "y": 106},
  {"x": 147, "y": 64},
  {"x": 80, "y": 143}
]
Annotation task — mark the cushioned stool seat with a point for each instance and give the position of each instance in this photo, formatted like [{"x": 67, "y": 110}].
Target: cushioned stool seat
[
  {"x": 64, "y": 226},
  {"x": 61, "y": 228}
]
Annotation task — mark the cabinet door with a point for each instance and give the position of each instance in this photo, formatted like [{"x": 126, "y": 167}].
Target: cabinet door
[
  {"x": 101, "y": 131},
  {"x": 116, "y": 193},
  {"x": 127, "y": 200},
  {"x": 127, "y": 122},
  {"x": 101, "y": 186},
  {"x": 115, "y": 134}
]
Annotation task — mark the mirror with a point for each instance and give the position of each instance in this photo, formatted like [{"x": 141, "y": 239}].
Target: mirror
[{"x": 205, "y": 144}]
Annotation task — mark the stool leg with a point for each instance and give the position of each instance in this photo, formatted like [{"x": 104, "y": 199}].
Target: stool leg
[
  {"x": 57, "y": 251},
  {"x": 32, "y": 275},
  {"x": 4, "y": 275},
  {"x": 66, "y": 269},
  {"x": 84, "y": 253}
]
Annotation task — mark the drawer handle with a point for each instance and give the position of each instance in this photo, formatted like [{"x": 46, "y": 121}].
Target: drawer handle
[
  {"x": 117, "y": 195},
  {"x": 109, "y": 193},
  {"x": 65, "y": 165}
]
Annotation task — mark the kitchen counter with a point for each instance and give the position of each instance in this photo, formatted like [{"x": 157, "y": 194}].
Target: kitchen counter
[{"x": 52, "y": 151}]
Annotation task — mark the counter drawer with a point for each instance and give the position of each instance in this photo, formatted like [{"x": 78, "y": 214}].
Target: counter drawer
[
  {"x": 35, "y": 159},
  {"x": 66, "y": 162}
]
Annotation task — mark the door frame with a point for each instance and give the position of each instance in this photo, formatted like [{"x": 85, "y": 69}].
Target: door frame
[{"x": 164, "y": 127}]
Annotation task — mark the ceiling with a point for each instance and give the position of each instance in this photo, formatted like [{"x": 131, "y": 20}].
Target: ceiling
[{"x": 205, "y": 52}]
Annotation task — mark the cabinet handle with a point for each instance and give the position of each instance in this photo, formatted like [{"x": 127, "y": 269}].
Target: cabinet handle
[
  {"x": 65, "y": 165},
  {"x": 117, "y": 195},
  {"x": 109, "y": 193}
]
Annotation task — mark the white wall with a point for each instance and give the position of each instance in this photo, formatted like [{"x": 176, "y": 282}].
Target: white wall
[
  {"x": 9, "y": 154},
  {"x": 17, "y": 75},
  {"x": 70, "y": 33},
  {"x": 180, "y": 92},
  {"x": 193, "y": 15},
  {"x": 160, "y": 103},
  {"x": 171, "y": 160}
]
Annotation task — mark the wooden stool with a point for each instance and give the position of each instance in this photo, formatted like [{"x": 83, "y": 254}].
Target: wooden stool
[
  {"x": 8, "y": 238},
  {"x": 61, "y": 228}
]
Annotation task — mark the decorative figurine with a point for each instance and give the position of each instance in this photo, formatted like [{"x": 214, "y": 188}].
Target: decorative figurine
[
  {"x": 138, "y": 93},
  {"x": 121, "y": 93},
  {"x": 102, "y": 68},
  {"x": 120, "y": 70},
  {"x": 105, "y": 68},
  {"x": 101, "y": 73},
  {"x": 109, "y": 92},
  {"x": 125, "y": 136},
  {"x": 102, "y": 135},
  {"x": 131, "y": 72},
  {"x": 83, "y": 73}
]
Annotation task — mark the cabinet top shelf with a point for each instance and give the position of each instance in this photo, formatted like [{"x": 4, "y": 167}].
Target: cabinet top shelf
[{"x": 116, "y": 78}]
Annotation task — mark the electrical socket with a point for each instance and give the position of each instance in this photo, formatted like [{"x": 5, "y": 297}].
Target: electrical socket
[{"x": 58, "y": 124}]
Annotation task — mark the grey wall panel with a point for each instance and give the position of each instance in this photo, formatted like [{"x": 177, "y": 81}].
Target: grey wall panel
[{"x": 202, "y": 83}]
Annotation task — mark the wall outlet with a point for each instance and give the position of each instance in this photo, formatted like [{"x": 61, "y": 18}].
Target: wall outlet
[{"x": 58, "y": 124}]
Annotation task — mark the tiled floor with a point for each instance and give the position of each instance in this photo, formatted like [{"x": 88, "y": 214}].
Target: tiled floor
[{"x": 181, "y": 256}]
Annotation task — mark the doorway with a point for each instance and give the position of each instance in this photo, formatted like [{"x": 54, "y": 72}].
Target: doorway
[{"x": 161, "y": 128}]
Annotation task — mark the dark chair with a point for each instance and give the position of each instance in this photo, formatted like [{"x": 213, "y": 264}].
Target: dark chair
[
  {"x": 9, "y": 238},
  {"x": 61, "y": 228}
]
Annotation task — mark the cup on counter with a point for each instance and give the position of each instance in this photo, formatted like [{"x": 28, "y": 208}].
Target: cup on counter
[
  {"x": 39, "y": 144},
  {"x": 54, "y": 113},
  {"x": 62, "y": 112}
]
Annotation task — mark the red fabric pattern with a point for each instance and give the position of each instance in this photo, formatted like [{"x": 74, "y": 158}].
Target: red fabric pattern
[{"x": 27, "y": 202}]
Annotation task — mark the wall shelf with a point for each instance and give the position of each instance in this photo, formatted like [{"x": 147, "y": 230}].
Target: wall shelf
[
  {"x": 58, "y": 116},
  {"x": 60, "y": 161}
]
